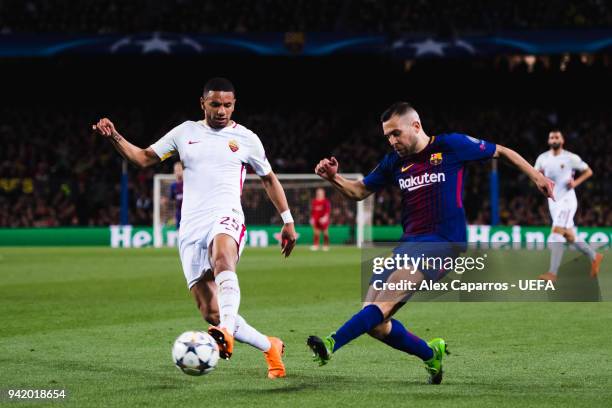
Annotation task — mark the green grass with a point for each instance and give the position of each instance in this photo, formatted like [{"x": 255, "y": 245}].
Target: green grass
[{"x": 100, "y": 323}]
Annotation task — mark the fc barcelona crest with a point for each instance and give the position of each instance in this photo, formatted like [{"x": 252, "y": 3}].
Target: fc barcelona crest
[
  {"x": 435, "y": 159},
  {"x": 233, "y": 145}
]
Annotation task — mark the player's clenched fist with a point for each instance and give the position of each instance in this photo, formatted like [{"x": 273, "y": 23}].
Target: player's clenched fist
[
  {"x": 104, "y": 127},
  {"x": 327, "y": 168}
]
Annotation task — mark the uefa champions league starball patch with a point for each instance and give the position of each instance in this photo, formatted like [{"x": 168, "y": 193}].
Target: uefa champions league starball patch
[{"x": 233, "y": 145}]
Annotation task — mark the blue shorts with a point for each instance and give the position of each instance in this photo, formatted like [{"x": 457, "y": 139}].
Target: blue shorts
[{"x": 432, "y": 250}]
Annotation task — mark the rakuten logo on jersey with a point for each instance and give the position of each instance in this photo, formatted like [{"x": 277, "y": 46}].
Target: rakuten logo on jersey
[{"x": 427, "y": 179}]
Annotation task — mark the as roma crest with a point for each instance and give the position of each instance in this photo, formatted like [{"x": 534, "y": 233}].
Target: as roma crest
[
  {"x": 435, "y": 159},
  {"x": 233, "y": 145}
]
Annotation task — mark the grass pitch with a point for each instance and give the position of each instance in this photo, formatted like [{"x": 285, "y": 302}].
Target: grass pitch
[{"x": 100, "y": 323}]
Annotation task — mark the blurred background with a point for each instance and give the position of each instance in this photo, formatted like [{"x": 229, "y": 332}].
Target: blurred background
[{"x": 312, "y": 78}]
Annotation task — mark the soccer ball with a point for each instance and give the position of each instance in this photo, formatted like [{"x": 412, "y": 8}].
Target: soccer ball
[{"x": 195, "y": 353}]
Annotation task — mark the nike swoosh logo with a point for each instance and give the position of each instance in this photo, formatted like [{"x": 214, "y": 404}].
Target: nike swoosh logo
[
  {"x": 419, "y": 186},
  {"x": 191, "y": 142},
  {"x": 407, "y": 167}
]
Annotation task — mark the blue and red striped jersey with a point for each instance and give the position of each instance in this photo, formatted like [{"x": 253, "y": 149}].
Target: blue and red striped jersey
[
  {"x": 176, "y": 194},
  {"x": 431, "y": 184}
]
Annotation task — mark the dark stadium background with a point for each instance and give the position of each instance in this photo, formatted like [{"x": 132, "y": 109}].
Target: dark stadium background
[{"x": 303, "y": 108}]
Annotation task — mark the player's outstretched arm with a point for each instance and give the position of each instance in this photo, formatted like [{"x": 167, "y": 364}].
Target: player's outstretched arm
[
  {"x": 354, "y": 189},
  {"x": 277, "y": 196},
  {"x": 543, "y": 183},
  {"x": 140, "y": 157}
]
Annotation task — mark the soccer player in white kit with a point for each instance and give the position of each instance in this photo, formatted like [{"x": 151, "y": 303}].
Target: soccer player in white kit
[
  {"x": 215, "y": 152},
  {"x": 559, "y": 165}
]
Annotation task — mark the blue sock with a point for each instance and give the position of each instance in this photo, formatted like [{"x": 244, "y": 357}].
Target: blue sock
[
  {"x": 362, "y": 322},
  {"x": 401, "y": 339}
]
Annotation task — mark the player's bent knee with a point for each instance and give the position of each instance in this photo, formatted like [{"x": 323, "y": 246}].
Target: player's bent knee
[
  {"x": 569, "y": 236},
  {"x": 224, "y": 264},
  {"x": 225, "y": 254},
  {"x": 559, "y": 230},
  {"x": 381, "y": 331}
]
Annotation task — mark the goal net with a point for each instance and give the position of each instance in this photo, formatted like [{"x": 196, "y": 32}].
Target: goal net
[{"x": 350, "y": 221}]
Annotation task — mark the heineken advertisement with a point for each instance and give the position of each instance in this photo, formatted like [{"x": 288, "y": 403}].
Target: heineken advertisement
[{"x": 264, "y": 235}]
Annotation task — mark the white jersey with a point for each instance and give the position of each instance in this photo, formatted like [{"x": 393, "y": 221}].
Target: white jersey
[
  {"x": 560, "y": 169},
  {"x": 214, "y": 162}
]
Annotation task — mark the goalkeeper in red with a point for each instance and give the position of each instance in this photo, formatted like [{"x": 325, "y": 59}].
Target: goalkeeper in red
[
  {"x": 320, "y": 210},
  {"x": 428, "y": 171}
]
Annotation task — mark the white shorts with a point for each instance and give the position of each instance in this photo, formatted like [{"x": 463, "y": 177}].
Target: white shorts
[
  {"x": 562, "y": 212},
  {"x": 195, "y": 239}
]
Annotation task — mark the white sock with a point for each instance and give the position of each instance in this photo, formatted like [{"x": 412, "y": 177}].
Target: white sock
[
  {"x": 585, "y": 249},
  {"x": 556, "y": 255},
  {"x": 557, "y": 246},
  {"x": 245, "y": 333},
  {"x": 228, "y": 294}
]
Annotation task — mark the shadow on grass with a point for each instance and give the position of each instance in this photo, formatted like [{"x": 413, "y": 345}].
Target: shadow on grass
[{"x": 321, "y": 381}]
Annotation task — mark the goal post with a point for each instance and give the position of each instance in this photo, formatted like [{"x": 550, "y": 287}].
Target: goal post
[{"x": 350, "y": 221}]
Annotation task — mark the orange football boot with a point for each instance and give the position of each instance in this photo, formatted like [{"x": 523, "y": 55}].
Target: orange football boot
[
  {"x": 224, "y": 340},
  {"x": 595, "y": 264},
  {"x": 548, "y": 276},
  {"x": 274, "y": 358}
]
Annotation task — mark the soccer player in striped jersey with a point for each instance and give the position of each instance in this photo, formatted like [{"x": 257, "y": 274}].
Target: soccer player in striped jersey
[
  {"x": 214, "y": 152},
  {"x": 428, "y": 170},
  {"x": 176, "y": 192}
]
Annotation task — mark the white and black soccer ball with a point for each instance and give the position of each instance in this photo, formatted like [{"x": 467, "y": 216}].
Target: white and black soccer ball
[{"x": 195, "y": 353}]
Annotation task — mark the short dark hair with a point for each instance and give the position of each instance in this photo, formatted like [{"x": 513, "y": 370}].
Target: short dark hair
[
  {"x": 398, "y": 108},
  {"x": 219, "y": 84}
]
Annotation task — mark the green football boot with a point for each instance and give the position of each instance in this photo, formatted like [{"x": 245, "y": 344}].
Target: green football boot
[
  {"x": 322, "y": 349},
  {"x": 434, "y": 365}
]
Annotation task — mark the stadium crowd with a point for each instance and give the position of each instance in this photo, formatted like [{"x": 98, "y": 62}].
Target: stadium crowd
[
  {"x": 54, "y": 172},
  {"x": 445, "y": 17}
]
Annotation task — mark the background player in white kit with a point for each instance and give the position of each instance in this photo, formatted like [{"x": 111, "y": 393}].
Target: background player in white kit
[
  {"x": 559, "y": 165},
  {"x": 214, "y": 153}
]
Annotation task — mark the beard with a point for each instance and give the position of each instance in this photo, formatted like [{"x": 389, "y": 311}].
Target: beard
[{"x": 555, "y": 146}]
